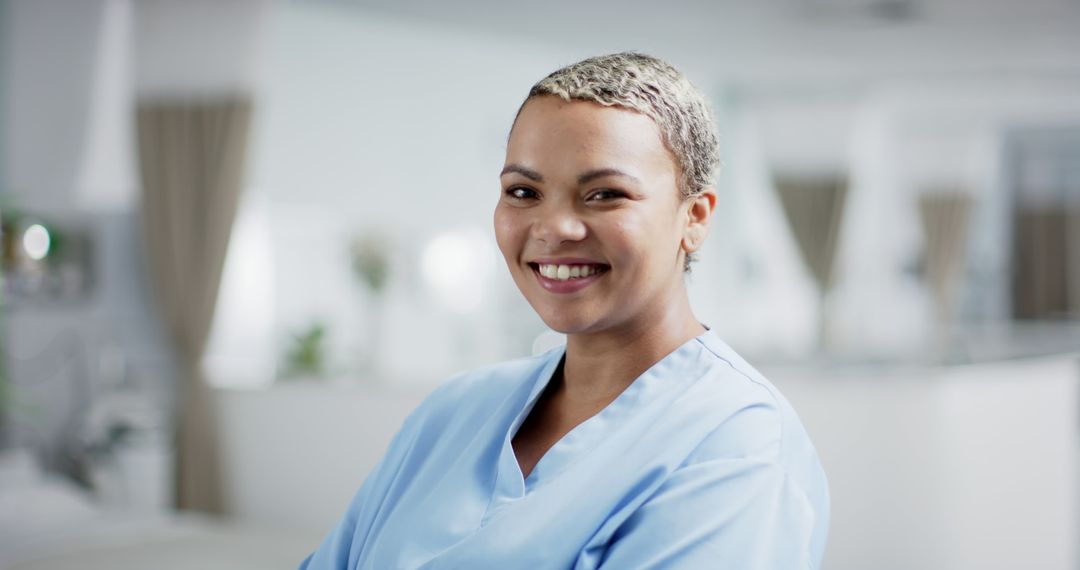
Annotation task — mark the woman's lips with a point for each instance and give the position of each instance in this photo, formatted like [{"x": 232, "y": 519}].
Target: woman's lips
[{"x": 572, "y": 285}]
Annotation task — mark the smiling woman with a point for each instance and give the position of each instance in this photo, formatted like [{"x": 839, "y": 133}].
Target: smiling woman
[
  {"x": 595, "y": 186},
  {"x": 644, "y": 442}
]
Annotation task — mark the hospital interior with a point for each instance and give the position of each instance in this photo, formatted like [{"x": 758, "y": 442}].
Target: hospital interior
[{"x": 203, "y": 379}]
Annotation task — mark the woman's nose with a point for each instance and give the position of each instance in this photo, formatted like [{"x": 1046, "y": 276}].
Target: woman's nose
[{"x": 556, "y": 225}]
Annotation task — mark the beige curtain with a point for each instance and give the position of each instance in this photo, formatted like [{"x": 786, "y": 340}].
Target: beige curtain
[
  {"x": 814, "y": 207},
  {"x": 191, "y": 156},
  {"x": 945, "y": 216}
]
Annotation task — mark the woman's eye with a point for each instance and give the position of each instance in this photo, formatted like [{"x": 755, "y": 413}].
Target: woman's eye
[
  {"x": 520, "y": 193},
  {"x": 604, "y": 195}
]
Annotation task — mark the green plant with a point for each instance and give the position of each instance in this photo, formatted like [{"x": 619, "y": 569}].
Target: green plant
[
  {"x": 370, "y": 261},
  {"x": 307, "y": 353}
]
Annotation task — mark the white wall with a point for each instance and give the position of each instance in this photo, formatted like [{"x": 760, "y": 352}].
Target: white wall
[
  {"x": 199, "y": 47},
  {"x": 49, "y": 94}
]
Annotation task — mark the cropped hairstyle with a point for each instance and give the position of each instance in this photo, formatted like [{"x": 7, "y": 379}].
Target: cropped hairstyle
[{"x": 654, "y": 88}]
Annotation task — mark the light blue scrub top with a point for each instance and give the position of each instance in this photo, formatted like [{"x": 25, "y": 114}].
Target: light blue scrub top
[{"x": 699, "y": 463}]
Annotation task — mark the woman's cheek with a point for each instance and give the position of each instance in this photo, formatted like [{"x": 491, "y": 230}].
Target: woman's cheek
[{"x": 504, "y": 228}]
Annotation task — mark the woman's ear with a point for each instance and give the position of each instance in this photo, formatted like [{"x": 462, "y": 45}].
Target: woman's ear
[{"x": 698, "y": 217}]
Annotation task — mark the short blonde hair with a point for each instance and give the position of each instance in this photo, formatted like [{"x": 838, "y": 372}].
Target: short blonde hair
[{"x": 656, "y": 89}]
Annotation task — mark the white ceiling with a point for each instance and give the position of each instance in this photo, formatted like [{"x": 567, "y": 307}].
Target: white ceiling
[{"x": 780, "y": 38}]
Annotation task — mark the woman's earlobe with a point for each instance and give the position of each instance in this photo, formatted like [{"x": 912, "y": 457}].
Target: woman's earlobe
[{"x": 690, "y": 243}]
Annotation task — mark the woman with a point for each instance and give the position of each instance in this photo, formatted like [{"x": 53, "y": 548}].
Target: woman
[{"x": 645, "y": 442}]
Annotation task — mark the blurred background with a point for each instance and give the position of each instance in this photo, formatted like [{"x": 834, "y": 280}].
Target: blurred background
[{"x": 241, "y": 240}]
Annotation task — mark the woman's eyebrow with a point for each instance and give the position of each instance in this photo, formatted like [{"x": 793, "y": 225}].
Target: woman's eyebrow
[
  {"x": 601, "y": 172},
  {"x": 584, "y": 178},
  {"x": 526, "y": 172}
]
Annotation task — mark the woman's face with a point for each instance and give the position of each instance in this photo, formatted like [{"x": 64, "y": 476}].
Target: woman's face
[{"x": 590, "y": 219}]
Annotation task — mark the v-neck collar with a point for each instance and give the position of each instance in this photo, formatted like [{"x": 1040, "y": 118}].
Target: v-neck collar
[{"x": 510, "y": 484}]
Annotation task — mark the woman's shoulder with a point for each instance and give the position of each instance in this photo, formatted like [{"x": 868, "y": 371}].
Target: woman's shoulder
[
  {"x": 740, "y": 391},
  {"x": 752, "y": 419}
]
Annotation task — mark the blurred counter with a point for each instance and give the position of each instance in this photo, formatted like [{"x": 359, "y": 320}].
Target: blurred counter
[{"x": 955, "y": 467}]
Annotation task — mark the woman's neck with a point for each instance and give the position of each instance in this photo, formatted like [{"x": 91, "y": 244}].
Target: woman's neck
[{"x": 599, "y": 366}]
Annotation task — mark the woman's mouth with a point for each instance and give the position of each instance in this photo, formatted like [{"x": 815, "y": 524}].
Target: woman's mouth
[{"x": 568, "y": 278}]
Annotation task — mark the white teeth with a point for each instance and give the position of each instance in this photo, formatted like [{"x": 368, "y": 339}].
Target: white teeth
[{"x": 564, "y": 272}]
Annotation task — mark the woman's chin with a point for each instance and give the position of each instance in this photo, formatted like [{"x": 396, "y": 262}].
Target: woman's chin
[{"x": 569, "y": 323}]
